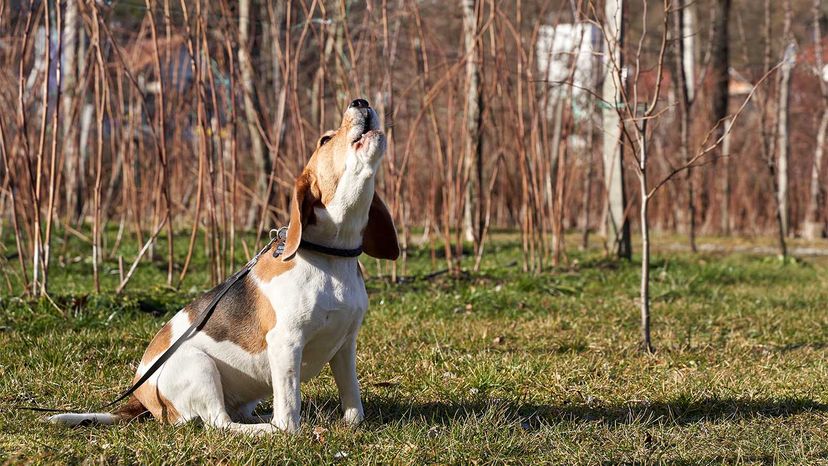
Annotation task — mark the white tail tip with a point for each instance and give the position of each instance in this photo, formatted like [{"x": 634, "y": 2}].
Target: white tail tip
[{"x": 83, "y": 419}]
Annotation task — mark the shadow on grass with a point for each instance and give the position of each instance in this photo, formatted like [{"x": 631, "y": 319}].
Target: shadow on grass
[
  {"x": 532, "y": 416},
  {"x": 802, "y": 346}
]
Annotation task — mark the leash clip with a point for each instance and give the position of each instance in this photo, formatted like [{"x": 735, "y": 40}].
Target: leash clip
[
  {"x": 278, "y": 233},
  {"x": 278, "y": 236}
]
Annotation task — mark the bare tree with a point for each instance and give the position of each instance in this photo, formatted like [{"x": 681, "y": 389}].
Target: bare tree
[
  {"x": 617, "y": 227},
  {"x": 116, "y": 119},
  {"x": 768, "y": 130},
  {"x": 783, "y": 113},
  {"x": 814, "y": 226},
  {"x": 684, "y": 28},
  {"x": 53, "y": 160},
  {"x": 71, "y": 32},
  {"x": 727, "y": 189},
  {"x": 473, "y": 144},
  {"x": 161, "y": 144},
  {"x": 720, "y": 77},
  {"x": 260, "y": 158},
  {"x": 638, "y": 138},
  {"x": 100, "y": 94},
  {"x": 41, "y": 65},
  {"x": 639, "y": 112}
]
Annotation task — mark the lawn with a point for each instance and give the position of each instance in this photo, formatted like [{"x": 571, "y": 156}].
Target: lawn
[{"x": 491, "y": 367}]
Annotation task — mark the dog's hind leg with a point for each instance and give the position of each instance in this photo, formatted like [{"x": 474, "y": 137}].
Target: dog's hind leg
[
  {"x": 191, "y": 382},
  {"x": 196, "y": 382}
]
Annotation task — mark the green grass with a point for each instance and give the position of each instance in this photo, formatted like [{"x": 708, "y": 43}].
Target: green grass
[{"x": 489, "y": 367}]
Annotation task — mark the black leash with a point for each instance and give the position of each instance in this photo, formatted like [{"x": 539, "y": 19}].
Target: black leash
[
  {"x": 277, "y": 240},
  {"x": 194, "y": 327}
]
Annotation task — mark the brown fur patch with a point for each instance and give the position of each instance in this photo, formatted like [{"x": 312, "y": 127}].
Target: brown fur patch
[
  {"x": 327, "y": 169},
  {"x": 243, "y": 316},
  {"x": 159, "y": 343},
  {"x": 328, "y": 161},
  {"x": 266, "y": 316},
  {"x": 305, "y": 197},
  {"x": 156, "y": 403},
  {"x": 132, "y": 409},
  {"x": 270, "y": 267}
]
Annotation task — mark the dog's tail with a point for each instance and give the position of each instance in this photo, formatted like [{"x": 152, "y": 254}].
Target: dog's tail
[{"x": 132, "y": 409}]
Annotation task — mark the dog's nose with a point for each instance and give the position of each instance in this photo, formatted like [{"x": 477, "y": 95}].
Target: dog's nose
[{"x": 359, "y": 103}]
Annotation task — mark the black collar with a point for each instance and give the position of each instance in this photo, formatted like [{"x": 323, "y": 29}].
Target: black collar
[{"x": 330, "y": 251}]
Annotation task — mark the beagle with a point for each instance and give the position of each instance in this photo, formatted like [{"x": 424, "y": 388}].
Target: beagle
[{"x": 287, "y": 318}]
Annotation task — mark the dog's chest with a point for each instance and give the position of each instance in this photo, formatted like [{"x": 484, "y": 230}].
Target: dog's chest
[{"x": 318, "y": 305}]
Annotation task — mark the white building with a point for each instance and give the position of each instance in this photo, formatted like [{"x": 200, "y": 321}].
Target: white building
[{"x": 557, "y": 47}]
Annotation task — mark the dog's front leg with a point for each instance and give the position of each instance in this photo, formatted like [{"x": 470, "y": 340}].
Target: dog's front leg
[
  {"x": 343, "y": 366},
  {"x": 285, "y": 364}
]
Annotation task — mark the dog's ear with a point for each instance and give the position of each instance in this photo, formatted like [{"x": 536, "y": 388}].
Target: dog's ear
[
  {"x": 380, "y": 236},
  {"x": 305, "y": 195}
]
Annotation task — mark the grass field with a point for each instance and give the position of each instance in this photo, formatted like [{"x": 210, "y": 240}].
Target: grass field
[{"x": 493, "y": 367}]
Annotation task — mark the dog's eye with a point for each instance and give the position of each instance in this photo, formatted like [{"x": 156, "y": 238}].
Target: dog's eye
[{"x": 323, "y": 140}]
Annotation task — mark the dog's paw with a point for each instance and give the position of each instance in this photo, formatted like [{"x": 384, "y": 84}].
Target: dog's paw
[
  {"x": 353, "y": 417},
  {"x": 253, "y": 430},
  {"x": 288, "y": 426}
]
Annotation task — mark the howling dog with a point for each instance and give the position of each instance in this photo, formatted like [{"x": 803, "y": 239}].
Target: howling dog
[{"x": 290, "y": 315}]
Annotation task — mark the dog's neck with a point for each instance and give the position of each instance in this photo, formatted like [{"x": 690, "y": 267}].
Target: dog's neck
[{"x": 341, "y": 223}]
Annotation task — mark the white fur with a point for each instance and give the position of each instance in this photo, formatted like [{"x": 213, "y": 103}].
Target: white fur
[{"x": 75, "y": 419}]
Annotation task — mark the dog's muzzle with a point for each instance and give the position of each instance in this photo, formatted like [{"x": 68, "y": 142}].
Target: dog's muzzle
[{"x": 365, "y": 134}]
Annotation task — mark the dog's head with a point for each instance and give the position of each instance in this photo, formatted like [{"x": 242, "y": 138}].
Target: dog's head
[{"x": 334, "y": 202}]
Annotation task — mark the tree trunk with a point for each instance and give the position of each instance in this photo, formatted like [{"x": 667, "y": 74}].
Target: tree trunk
[
  {"x": 260, "y": 158},
  {"x": 783, "y": 138},
  {"x": 587, "y": 188},
  {"x": 40, "y": 65},
  {"x": 726, "y": 189},
  {"x": 85, "y": 110},
  {"x": 472, "y": 156},
  {"x": 814, "y": 226},
  {"x": 767, "y": 127},
  {"x": 276, "y": 14},
  {"x": 720, "y": 62},
  {"x": 719, "y": 66},
  {"x": 618, "y": 228},
  {"x": 684, "y": 27},
  {"x": 71, "y": 29},
  {"x": 646, "y": 342}
]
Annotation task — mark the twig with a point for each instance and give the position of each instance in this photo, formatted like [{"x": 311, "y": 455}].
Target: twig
[{"x": 140, "y": 255}]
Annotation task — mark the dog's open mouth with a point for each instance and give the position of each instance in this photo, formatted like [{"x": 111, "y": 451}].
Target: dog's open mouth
[{"x": 366, "y": 128}]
